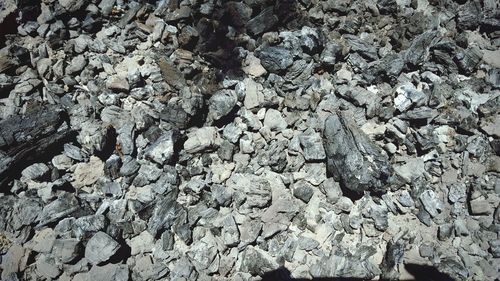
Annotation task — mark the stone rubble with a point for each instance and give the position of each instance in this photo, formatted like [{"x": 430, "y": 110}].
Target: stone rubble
[{"x": 249, "y": 140}]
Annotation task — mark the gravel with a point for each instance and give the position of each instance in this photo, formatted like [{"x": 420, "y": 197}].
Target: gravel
[{"x": 249, "y": 140}]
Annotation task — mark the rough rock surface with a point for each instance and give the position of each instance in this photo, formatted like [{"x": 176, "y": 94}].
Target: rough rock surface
[{"x": 249, "y": 140}]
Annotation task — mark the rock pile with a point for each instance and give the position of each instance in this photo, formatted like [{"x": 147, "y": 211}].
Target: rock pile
[{"x": 225, "y": 140}]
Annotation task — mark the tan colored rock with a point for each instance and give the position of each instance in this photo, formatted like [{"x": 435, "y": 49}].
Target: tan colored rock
[
  {"x": 88, "y": 173},
  {"x": 253, "y": 66}
]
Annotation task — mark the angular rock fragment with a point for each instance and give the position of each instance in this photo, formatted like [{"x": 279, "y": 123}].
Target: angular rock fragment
[
  {"x": 100, "y": 248},
  {"x": 24, "y": 138},
  {"x": 353, "y": 158},
  {"x": 171, "y": 74},
  {"x": 262, "y": 22},
  {"x": 274, "y": 121},
  {"x": 162, "y": 150},
  {"x": 201, "y": 139},
  {"x": 257, "y": 262},
  {"x": 418, "y": 52},
  {"x": 221, "y": 104},
  {"x": 275, "y": 59},
  {"x": 312, "y": 145},
  {"x": 164, "y": 215},
  {"x": 118, "y": 272}
]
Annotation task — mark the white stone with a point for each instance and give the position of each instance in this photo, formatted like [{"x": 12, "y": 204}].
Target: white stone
[
  {"x": 274, "y": 121},
  {"x": 201, "y": 139}
]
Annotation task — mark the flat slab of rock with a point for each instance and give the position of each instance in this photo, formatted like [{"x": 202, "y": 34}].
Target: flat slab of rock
[
  {"x": 201, "y": 139},
  {"x": 353, "y": 158},
  {"x": 100, "y": 248}
]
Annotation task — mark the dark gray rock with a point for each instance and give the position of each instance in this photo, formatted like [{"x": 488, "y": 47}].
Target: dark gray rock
[
  {"x": 303, "y": 191},
  {"x": 164, "y": 215},
  {"x": 275, "y": 59},
  {"x": 73, "y": 5},
  {"x": 468, "y": 60},
  {"x": 239, "y": 13},
  {"x": 262, "y": 22},
  {"x": 28, "y": 137},
  {"x": 418, "y": 52},
  {"x": 257, "y": 262},
  {"x": 66, "y": 250},
  {"x": 364, "y": 48},
  {"x": 353, "y": 158}
]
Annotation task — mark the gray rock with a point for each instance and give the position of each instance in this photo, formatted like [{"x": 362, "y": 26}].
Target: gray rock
[
  {"x": 330, "y": 54},
  {"x": 26, "y": 212},
  {"x": 346, "y": 265},
  {"x": 480, "y": 207},
  {"x": 445, "y": 231},
  {"x": 418, "y": 52},
  {"x": 47, "y": 267},
  {"x": 201, "y": 139},
  {"x": 431, "y": 203},
  {"x": 129, "y": 15},
  {"x": 221, "y": 194},
  {"x": 117, "y": 84},
  {"x": 495, "y": 248},
  {"x": 469, "y": 59},
  {"x": 130, "y": 166},
  {"x": 353, "y": 158},
  {"x": 230, "y": 232},
  {"x": 85, "y": 224},
  {"x": 11, "y": 261},
  {"x": 92, "y": 137},
  {"x": 220, "y": 104},
  {"x": 73, "y": 5},
  {"x": 126, "y": 138},
  {"x": 364, "y": 48},
  {"x": 171, "y": 74},
  {"x": 66, "y": 250},
  {"x": 274, "y": 121},
  {"x": 162, "y": 150},
  {"x": 256, "y": 191},
  {"x": 262, "y": 22},
  {"x": 73, "y": 152},
  {"x": 147, "y": 173},
  {"x": 106, "y": 6},
  {"x": 249, "y": 231},
  {"x": 62, "y": 162},
  {"x": 118, "y": 272},
  {"x": 183, "y": 269},
  {"x": 408, "y": 96},
  {"x": 312, "y": 146},
  {"x": 457, "y": 192},
  {"x": 257, "y": 262},
  {"x": 100, "y": 248},
  {"x": 311, "y": 41},
  {"x": 142, "y": 243},
  {"x": 76, "y": 65},
  {"x": 35, "y": 172},
  {"x": 275, "y": 59},
  {"x": 148, "y": 269},
  {"x": 303, "y": 191},
  {"x": 164, "y": 214},
  {"x": 43, "y": 241}
]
